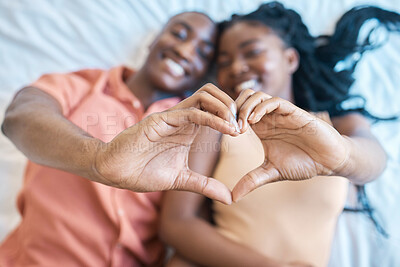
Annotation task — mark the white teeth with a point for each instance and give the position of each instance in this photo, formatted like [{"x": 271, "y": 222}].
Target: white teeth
[
  {"x": 175, "y": 68},
  {"x": 250, "y": 84}
]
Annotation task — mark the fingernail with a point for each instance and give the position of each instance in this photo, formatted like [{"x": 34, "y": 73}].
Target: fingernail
[
  {"x": 234, "y": 122},
  {"x": 240, "y": 123},
  {"x": 237, "y": 199},
  {"x": 233, "y": 110},
  {"x": 251, "y": 117}
]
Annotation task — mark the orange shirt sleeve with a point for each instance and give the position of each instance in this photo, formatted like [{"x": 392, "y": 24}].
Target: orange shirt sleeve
[{"x": 69, "y": 89}]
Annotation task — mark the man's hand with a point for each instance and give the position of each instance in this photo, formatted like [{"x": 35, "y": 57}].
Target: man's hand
[
  {"x": 297, "y": 144},
  {"x": 153, "y": 154}
]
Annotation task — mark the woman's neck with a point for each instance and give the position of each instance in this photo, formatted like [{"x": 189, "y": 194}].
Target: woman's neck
[{"x": 287, "y": 93}]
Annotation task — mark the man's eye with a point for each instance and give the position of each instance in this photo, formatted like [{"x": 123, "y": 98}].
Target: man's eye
[
  {"x": 205, "y": 52},
  {"x": 181, "y": 35}
]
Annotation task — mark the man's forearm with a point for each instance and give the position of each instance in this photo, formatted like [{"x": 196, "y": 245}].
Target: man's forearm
[{"x": 35, "y": 124}]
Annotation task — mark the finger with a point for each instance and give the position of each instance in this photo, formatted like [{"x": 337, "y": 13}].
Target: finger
[
  {"x": 182, "y": 117},
  {"x": 189, "y": 180},
  {"x": 244, "y": 95},
  {"x": 212, "y": 100},
  {"x": 254, "y": 179},
  {"x": 193, "y": 100},
  {"x": 274, "y": 105},
  {"x": 210, "y": 103},
  {"x": 247, "y": 108},
  {"x": 240, "y": 100},
  {"x": 220, "y": 95}
]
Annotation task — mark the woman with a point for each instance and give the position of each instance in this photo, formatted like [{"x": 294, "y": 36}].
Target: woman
[{"x": 270, "y": 51}]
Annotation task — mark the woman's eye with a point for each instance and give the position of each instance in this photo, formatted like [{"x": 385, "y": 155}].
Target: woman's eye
[
  {"x": 253, "y": 53},
  {"x": 223, "y": 63}
]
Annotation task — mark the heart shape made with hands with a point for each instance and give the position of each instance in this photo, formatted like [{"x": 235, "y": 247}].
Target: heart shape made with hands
[{"x": 297, "y": 144}]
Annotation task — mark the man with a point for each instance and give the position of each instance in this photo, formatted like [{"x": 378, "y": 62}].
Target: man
[{"x": 89, "y": 129}]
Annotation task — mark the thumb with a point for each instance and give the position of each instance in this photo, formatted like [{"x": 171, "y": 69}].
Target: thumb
[
  {"x": 189, "y": 180},
  {"x": 260, "y": 176}
]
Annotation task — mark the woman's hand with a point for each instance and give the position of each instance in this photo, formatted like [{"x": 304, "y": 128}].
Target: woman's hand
[
  {"x": 297, "y": 144},
  {"x": 153, "y": 154}
]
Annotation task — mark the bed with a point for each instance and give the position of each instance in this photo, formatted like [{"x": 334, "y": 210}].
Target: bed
[{"x": 44, "y": 36}]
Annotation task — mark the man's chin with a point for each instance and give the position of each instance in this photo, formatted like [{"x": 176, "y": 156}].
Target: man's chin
[
  {"x": 172, "y": 88},
  {"x": 168, "y": 84}
]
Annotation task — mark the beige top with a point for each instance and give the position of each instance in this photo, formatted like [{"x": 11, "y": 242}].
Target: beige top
[{"x": 291, "y": 221}]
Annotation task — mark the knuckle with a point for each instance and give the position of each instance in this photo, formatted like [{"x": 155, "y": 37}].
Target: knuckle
[
  {"x": 207, "y": 86},
  {"x": 245, "y": 94},
  {"x": 248, "y": 91},
  {"x": 202, "y": 185},
  {"x": 226, "y": 114},
  {"x": 210, "y": 85},
  {"x": 253, "y": 180},
  {"x": 201, "y": 93},
  {"x": 202, "y": 96},
  {"x": 259, "y": 94},
  {"x": 192, "y": 110}
]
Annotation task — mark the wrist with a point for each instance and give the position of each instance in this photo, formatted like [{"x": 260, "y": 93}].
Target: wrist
[
  {"x": 345, "y": 168},
  {"x": 94, "y": 151}
]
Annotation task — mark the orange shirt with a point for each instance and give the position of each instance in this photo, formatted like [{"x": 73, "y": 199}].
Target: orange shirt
[{"x": 68, "y": 220}]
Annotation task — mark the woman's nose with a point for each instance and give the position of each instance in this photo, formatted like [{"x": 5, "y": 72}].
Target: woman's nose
[{"x": 239, "y": 66}]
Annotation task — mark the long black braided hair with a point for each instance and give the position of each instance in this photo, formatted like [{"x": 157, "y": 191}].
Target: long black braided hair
[{"x": 318, "y": 83}]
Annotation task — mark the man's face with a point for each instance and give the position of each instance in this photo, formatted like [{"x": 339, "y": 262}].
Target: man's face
[{"x": 180, "y": 55}]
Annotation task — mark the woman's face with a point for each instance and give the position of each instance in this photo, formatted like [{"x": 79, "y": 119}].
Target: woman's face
[
  {"x": 180, "y": 55},
  {"x": 252, "y": 56}
]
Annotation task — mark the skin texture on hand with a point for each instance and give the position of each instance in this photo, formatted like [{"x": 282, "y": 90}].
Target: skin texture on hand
[
  {"x": 153, "y": 154},
  {"x": 297, "y": 144}
]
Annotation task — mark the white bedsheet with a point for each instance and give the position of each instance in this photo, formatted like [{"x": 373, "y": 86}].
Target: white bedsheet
[{"x": 43, "y": 36}]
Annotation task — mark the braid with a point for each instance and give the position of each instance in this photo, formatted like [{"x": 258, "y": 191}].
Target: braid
[
  {"x": 346, "y": 44},
  {"x": 317, "y": 86},
  {"x": 344, "y": 40}
]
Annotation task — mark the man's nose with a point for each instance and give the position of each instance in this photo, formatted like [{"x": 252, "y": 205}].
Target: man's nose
[{"x": 186, "y": 50}]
